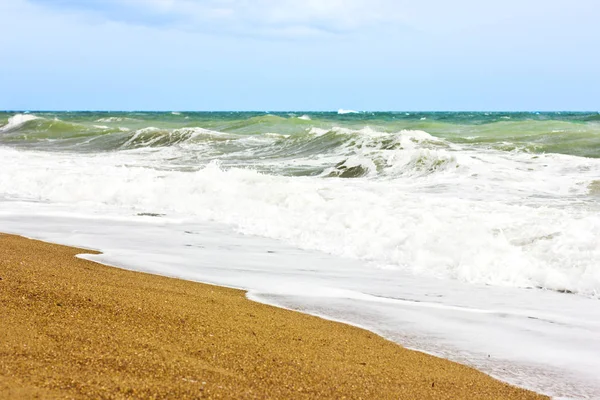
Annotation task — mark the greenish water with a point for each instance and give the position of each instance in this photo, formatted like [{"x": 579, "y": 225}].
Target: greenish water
[{"x": 571, "y": 133}]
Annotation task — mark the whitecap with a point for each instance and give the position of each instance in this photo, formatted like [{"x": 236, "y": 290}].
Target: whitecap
[
  {"x": 17, "y": 121},
  {"x": 114, "y": 119},
  {"x": 341, "y": 111}
]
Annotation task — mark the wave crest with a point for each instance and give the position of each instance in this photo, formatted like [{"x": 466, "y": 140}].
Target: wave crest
[{"x": 16, "y": 121}]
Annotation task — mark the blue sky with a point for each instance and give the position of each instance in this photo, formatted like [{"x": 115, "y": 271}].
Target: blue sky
[{"x": 299, "y": 55}]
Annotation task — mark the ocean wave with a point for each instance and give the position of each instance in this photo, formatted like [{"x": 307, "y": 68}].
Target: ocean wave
[
  {"x": 579, "y": 135},
  {"x": 414, "y": 153},
  {"x": 16, "y": 121},
  {"x": 336, "y": 152},
  {"x": 27, "y": 130},
  {"x": 342, "y": 111},
  {"x": 157, "y": 137},
  {"x": 327, "y": 152},
  {"x": 595, "y": 117},
  {"x": 114, "y": 119}
]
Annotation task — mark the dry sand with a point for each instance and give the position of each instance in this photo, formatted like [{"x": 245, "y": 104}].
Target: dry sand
[{"x": 71, "y": 328}]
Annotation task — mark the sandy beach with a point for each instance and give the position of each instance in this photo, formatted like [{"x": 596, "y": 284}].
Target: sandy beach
[{"x": 71, "y": 328}]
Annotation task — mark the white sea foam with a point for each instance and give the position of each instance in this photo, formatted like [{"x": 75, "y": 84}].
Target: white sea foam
[
  {"x": 274, "y": 135},
  {"x": 317, "y": 131},
  {"x": 484, "y": 219},
  {"x": 304, "y": 117},
  {"x": 341, "y": 111},
  {"x": 113, "y": 119},
  {"x": 16, "y": 121}
]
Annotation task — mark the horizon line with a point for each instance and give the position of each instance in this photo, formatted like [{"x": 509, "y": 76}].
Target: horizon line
[{"x": 347, "y": 111}]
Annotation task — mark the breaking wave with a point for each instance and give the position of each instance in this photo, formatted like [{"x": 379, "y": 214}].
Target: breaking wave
[{"x": 17, "y": 121}]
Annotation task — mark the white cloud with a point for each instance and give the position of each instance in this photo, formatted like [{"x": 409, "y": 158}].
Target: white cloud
[
  {"x": 270, "y": 17},
  {"x": 299, "y": 18}
]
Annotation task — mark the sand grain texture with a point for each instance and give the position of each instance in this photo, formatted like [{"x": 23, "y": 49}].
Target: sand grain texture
[{"x": 71, "y": 328}]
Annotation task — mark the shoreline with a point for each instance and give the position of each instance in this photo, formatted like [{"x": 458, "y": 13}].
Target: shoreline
[{"x": 83, "y": 329}]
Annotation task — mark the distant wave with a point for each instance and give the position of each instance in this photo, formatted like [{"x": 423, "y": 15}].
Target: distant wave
[
  {"x": 114, "y": 119},
  {"x": 341, "y": 111}
]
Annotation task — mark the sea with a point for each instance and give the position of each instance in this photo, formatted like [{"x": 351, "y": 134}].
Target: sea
[{"x": 474, "y": 236}]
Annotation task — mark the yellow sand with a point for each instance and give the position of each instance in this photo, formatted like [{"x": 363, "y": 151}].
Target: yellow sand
[{"x": 71, "y": 328}]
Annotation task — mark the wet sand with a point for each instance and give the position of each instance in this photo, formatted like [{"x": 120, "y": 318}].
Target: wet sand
[{"x": 71, "y": 328}]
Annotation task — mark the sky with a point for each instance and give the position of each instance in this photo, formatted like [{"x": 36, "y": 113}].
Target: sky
[{"x": 270, "y": 55}]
